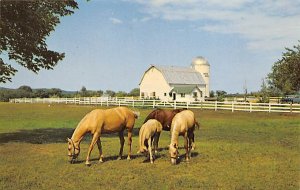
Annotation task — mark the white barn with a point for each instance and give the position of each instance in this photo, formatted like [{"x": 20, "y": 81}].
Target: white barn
[{"x": 169, "y": 83}]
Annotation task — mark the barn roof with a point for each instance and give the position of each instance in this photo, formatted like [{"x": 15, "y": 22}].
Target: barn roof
[
  {"x": 186, "y": 89},
  {"x": 180, "y": 75}
]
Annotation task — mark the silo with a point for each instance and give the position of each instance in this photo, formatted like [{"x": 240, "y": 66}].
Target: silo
[{"x": 201, "y": 65}]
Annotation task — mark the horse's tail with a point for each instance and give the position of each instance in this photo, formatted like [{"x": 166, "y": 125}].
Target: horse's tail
[
  {"x": 142, "y": 139},
  {"x": 197, "y": 124}
]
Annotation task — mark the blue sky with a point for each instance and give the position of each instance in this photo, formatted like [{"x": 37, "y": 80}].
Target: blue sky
[{"x": 109, "y": 43}]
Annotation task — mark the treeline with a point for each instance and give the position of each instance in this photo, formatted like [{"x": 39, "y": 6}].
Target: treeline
[{"x": 28, "y": 92}]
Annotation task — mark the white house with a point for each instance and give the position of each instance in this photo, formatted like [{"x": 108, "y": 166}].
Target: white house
[{"x": 177, "y": 83}]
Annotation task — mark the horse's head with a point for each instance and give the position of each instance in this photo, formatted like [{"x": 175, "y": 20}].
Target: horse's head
[
  {"x": 73, "y": 151},
  {"x": 173, "y": 150}
]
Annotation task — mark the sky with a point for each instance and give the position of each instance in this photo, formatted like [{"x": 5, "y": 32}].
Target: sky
[{"x": 109, "y": 44}]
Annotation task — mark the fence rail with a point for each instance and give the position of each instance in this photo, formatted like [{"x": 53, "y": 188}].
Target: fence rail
[{"x": 232, "y": 106}]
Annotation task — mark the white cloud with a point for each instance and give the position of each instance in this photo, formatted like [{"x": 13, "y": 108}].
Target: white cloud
[
  {"x": 115, "y": 20},
  {"x": 268, "y": 24}
]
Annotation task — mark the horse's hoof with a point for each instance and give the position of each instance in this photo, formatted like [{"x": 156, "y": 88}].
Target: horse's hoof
[
  {"x": 128, "y": 158},
  {"x": 88, "y": 164},
  {"x": 100, "y": 161},
  {"x": 119, "y": 158}
]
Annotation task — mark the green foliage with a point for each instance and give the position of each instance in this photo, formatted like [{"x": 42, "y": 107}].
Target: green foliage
[
  {"x": 220, "y": 95},
  {"x": 121, "y": 94},
  {"x": 134, "y": 92},
  {"x": 110, "y": 93},
  {"x": 24, "y": 26},
  {"x": 285, "y": 74},
  {"x": 27, "y": 92}
]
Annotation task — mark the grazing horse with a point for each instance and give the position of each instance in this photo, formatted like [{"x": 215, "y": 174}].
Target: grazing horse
[
  {"x": 165, "y": 118},
  {"x": 146, "y": 135},
  {"x": 99, "y": 122},
  {"x": 183, "y": 124}
]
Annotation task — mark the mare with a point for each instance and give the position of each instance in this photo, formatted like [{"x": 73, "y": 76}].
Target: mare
[
  {"x": 146, "y": 136},
  {"x": 98, "y": 122},
  {"x": 183, "y": 125},
  {"x": 165, "y": 117}
]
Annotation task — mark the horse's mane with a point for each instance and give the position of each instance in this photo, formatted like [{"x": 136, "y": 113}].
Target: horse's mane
[{"x": 152, "y": 114}]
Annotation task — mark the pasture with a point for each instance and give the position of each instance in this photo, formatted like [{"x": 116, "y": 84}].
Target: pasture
[{"x": 233, "y": 151}]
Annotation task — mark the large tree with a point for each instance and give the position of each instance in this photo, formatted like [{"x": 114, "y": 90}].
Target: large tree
[
  {"x": 24, "y": 26},
  {"x": 285, "y": 74}
]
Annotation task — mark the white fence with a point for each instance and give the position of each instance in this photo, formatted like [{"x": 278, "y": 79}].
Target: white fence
[{"x": 232, "y": 106}]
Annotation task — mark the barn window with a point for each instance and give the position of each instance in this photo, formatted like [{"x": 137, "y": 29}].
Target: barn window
[
  {"x": 142, "y": 94},
  {"x": 195, "y": 95},
  {"x": 165, "y": 94},
  {"x": 153, "y": 94},
  {"x": 182, "y": 95}
]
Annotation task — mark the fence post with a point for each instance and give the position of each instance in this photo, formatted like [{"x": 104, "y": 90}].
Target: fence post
[
  {"x": 291, "y": 107},
  {"x": 175, "y": 104},
  {"x": 154, "y": 103},
  {"x": 187, "y": 105},
  {"x": 119, "y": 102},
  {"x": 269, "y": 107},
  {"x": 107, "y": 102},
  {"x": 250, "y": 107},
  {"x": 232, "y": 106},
  {"x": 132, "y": 102},
  {"x": 216, "y": 105}
]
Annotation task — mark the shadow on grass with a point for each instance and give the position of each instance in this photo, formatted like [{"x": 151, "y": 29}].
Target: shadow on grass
[
  {"x": 110, "y": 158},
  {"x": 49, "y": 135}
]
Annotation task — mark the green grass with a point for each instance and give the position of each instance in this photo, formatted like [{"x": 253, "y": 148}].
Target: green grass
[{"x": 234, "y": 151}]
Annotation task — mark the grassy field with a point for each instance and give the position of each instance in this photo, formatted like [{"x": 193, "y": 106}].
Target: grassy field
[{"x": 234, "y": 151}]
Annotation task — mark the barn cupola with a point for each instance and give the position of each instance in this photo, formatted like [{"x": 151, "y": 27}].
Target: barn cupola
[{"x": 201, "y": 65}]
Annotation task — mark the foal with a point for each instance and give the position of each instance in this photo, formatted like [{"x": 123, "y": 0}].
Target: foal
[{"x": 147, "y": 133}]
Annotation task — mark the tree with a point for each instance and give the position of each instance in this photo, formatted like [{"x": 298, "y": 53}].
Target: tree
[
  {"x": 134, "y": 92},
  {"x": 285, "y": 74},
  {"x": 83, "y": 92},
  {"x": 264, "y": 93},
  {"x": 220, "y": 95},
  {"x": 110, "y": 93},
  {"x": 25, "y": 88},
  {"x": 24, "y": 26}
]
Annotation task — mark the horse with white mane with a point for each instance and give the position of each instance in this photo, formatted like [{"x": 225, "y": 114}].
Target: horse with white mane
[
  {"x": 147, "y": 134},
  {"x": 183, "y": 124},
  {"x": 99, "y": 122}
]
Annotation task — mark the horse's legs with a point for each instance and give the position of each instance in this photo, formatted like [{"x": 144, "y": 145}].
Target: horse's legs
[
  {"x": 94, "y": 140},
  {"x": 100, "y": 150},
  {"x": 186, "y": 146},
  {"x": 129, "y": 143},
  {"x": 156, "y": 139},
  {"x": 150, "y": 150},
  {"x": 122, "y": 141}
]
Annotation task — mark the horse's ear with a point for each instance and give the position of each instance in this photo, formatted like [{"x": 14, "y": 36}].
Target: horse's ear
[{"x": 68, "y": 139}]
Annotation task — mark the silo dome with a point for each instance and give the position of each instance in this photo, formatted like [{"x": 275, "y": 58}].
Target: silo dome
[{"x": 200, "y": 61}]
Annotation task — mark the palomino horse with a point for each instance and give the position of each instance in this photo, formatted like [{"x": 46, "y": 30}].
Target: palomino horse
[
  {"x": 183, "y": 124},
  {"x": 98, "y": 122},
  {"x": 146, "y": 135},
  {"x": 165, "y": 118}
]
